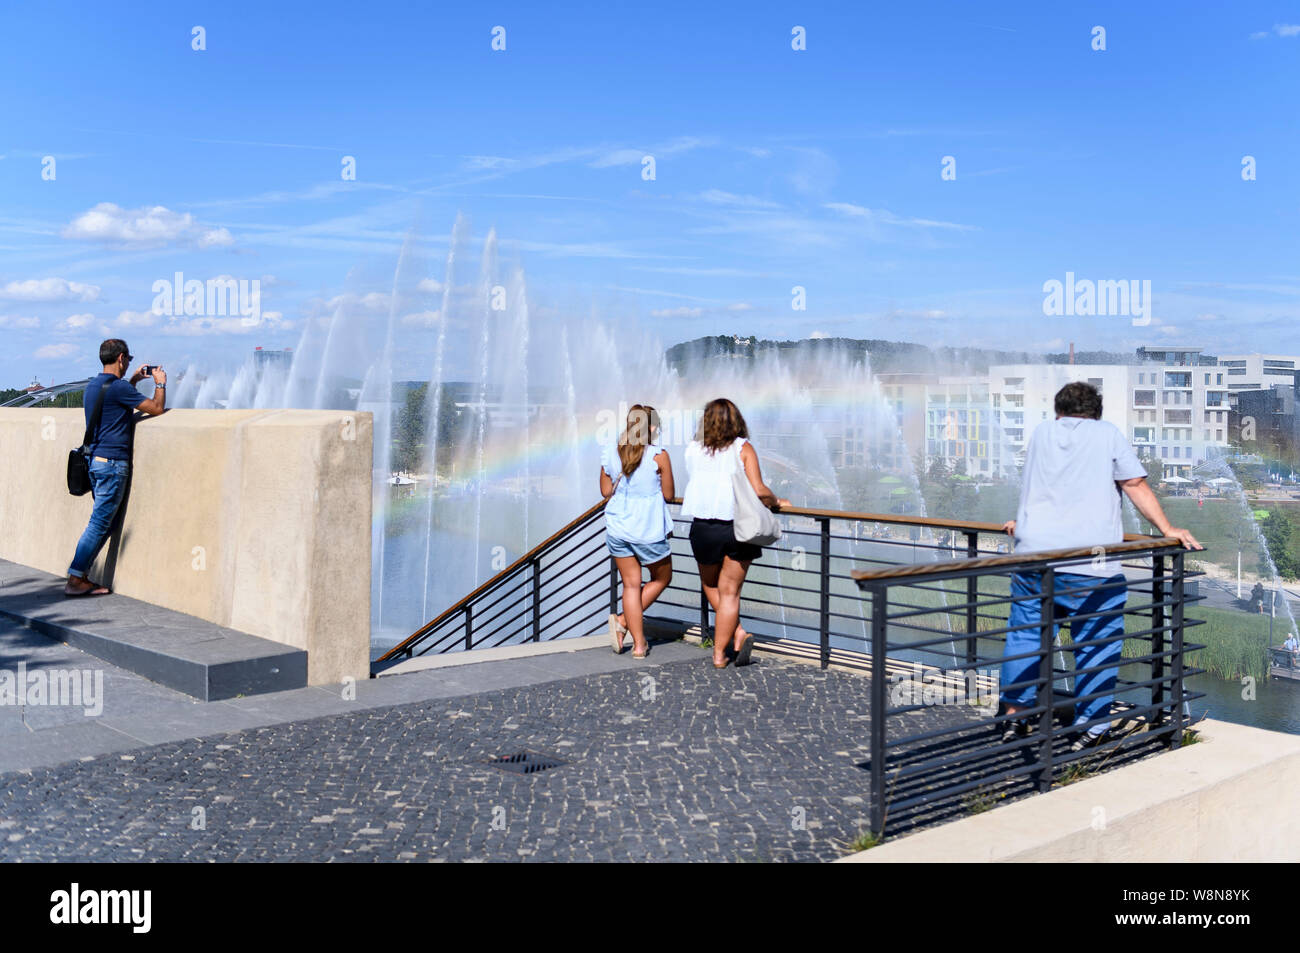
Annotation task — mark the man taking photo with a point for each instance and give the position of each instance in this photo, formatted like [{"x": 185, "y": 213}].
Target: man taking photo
[{"x": 109, "y": 448}]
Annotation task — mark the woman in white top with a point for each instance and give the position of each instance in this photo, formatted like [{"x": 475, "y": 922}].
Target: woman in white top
[
  {"x": 636, "y": 477},
  {"x": 721, "y": 446}
]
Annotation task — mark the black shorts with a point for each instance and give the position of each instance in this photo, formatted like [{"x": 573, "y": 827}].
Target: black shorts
[{"x": 713, "y": 539}]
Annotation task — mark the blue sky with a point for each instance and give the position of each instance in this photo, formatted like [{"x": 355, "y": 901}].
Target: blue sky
[{"x": 774, "y": 167}]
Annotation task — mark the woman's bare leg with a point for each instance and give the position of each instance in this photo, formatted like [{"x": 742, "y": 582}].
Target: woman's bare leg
[
  {"x": 728, "y": 632},
  {"x": 630, "y": 570},
  {"x": 661, "y": 573}
]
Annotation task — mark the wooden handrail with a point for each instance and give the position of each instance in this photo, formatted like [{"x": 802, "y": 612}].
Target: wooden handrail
[
  {"x": 1140, "y": 544},
  {"x": 932, "y": 522}
]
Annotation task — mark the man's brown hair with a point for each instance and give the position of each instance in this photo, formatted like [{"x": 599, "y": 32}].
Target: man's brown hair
[{"x": 1079, "y": 400}]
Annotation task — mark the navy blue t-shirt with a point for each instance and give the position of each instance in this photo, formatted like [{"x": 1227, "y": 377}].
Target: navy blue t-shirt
[{"x": 113, "y": 438}]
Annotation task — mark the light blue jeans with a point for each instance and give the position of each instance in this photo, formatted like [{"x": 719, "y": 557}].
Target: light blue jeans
[
  {"x": 1091, "y": 598},
  {"x": 107, "y": 485}
]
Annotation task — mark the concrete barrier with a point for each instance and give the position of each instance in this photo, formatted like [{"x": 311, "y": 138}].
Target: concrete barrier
[
  {"x": 258, "y": 520},
  {"x": 1228, "y": 798}
]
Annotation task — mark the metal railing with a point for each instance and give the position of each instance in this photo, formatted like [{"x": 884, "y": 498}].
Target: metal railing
[
  {"x": 558, "y": 588},
  {"x": 937, "y": 600},
  {"x": 792, "y": 593},
  {"x": 954, "y": 759}
]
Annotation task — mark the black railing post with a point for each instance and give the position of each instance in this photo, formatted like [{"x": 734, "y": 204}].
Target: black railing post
[
  {"x": 1157, "y": 640},
  {"x": 879, "y": 617},
  {"x": 825, "y": 588},
  {"x": 1176, "y": 735},
  {"x": 1047, "y": 696},
  {"x": 972, "y": 595},
  {"x": 1158, "y": 635},
  {"x": 469, "y": 626},
  {"x": 613, "y": 586},
  {"x": 537, "y": 599}
]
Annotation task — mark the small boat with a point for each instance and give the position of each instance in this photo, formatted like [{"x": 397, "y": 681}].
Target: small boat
[{"x": 1284, "y": 664}]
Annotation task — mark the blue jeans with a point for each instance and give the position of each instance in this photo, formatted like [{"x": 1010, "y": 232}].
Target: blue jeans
[
  {"x": 1083, "y": 634},
  {"x": 108, "y": 485}
]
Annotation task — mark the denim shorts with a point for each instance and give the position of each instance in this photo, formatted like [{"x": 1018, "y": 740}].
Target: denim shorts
[{"x": 645, "y": 553}]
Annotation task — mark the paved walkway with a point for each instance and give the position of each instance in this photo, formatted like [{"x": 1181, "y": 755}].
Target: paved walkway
[{"x": 665, "y": 760}]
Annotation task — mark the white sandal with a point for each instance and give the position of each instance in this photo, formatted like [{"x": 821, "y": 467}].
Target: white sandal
[{"x": 616, "y": 633}]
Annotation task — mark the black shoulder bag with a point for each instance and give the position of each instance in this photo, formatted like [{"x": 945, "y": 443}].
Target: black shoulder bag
[{"x": 79, "y": 459}]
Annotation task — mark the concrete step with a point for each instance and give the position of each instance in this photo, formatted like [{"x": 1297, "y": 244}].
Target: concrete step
[{"x": 199, "y": 658}]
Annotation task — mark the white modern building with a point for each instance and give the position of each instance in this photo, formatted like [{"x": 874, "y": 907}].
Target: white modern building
[
  {"x": 1172, "y": 405},
  {"x": 1023, "y": 395},
  {"x": 1257, "y": 371}
]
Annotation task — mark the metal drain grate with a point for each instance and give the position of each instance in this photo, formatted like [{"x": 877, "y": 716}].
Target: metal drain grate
[{"x": 526, "y": 762}]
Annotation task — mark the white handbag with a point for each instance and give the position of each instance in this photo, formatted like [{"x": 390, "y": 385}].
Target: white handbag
[{"x": 754, "y": 522}]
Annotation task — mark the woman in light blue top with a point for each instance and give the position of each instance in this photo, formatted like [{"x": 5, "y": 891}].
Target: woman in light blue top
[{"x": 636, "y": 478}]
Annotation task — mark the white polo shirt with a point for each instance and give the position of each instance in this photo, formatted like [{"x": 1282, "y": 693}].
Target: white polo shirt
[{"x": 1068, "y": 496}]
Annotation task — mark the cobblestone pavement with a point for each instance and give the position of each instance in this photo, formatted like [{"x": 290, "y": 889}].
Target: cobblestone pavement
[{"x": 681, "y": 762}]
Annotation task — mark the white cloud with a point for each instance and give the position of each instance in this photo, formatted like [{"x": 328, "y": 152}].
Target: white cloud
[
  {"x": 49, "y": 289},
  {"x": 375, "y": 302},
  {"x": 197, "y": 327},
  {"x": 136, "y": 319},
  {"x": 634, "y": 156},
  {"x": 420, "y": 319},
  {"x": 13, "y": 321},
  {"x": 74, "y": 321},
  {"x": 216, "y": 238},
  {"x": 144, "y": 227},
  {"x": 740, "y": 306},
  {"x": 682, "y": 312},
  {"x": 55, "y": 350},
  {"x": 430, "y": 286},
  {"x": 487, "y": 162},
  {"x": 719, "y": 197},
  {"x": 1284, "y": 30},
  {"x": 889, "y": 218},
  {"x": 818, "y": 335}
]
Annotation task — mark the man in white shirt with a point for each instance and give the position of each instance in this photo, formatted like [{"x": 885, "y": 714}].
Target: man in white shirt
[{"x": 1075, "y": 468}]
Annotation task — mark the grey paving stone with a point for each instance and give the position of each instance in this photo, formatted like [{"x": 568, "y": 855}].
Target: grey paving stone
[
  {"x": 60, "y": 744},
  {"x": 292, "y": 705},
  {"x": 210, "y": 719},
  {"x": 693, "y": 770}
]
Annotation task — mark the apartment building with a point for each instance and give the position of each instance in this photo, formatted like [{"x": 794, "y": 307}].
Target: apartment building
[
  {"x": 1258, "y": 371},
  {"x": 1021, "y": 396},
  {"x": 960, "y": 427}
]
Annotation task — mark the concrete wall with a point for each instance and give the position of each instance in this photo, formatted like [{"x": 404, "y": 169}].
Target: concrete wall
[
  {"x": 1230, "y": 797},
  {"x": 253, "y": 519}
]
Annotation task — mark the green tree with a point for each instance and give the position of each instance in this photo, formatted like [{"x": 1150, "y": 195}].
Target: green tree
[
  {"x": 411, "y": 424},
  {"x": 1277, "y": 534},
  {"x": 1155, "y": 469},
  {"x": 408, "y": 430}
]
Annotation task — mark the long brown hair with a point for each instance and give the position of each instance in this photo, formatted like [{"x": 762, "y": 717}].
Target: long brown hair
[
  {"x": 642, "y": 422},
  {"x": 721, "y": 425}
]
